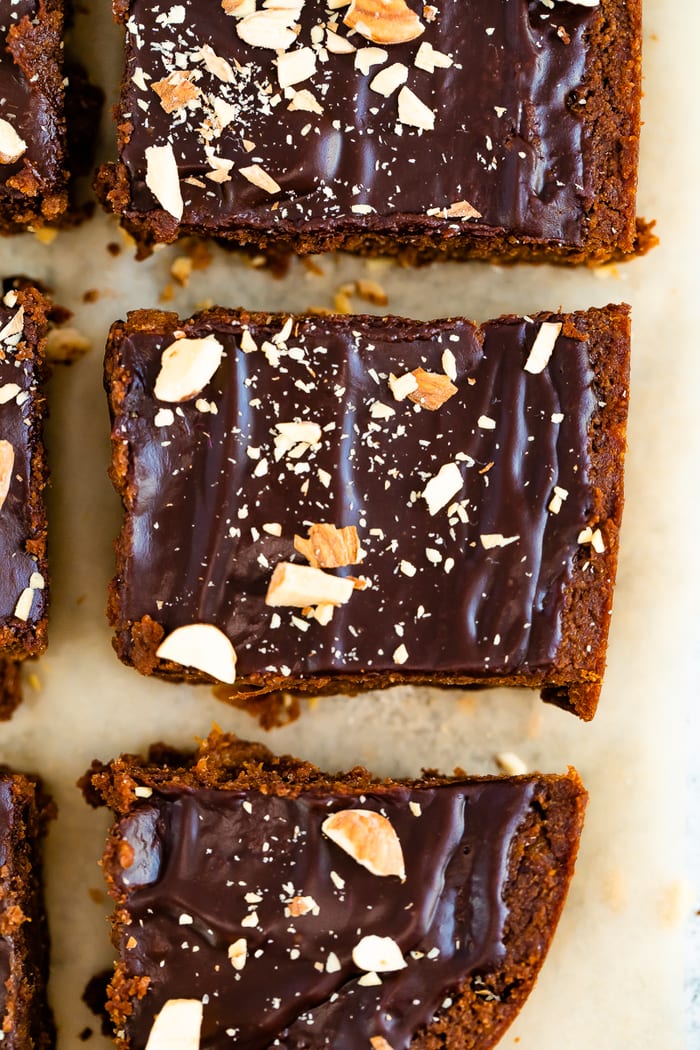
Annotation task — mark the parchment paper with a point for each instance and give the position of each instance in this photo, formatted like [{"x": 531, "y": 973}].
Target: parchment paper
[{"x": 614, "y": 978}]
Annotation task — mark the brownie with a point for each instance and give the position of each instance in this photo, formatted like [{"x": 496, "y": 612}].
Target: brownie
[
  {"x": 24, "y": 941},
  {"x": 23, "y": 474},
  {"x": 275, "y": 905},
  {"x": 389, "y": 126},
  {"x": 330, "y": 504},
  {"x": 33, "y": 176}
]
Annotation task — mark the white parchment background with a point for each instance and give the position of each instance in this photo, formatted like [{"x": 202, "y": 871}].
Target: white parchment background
[{"x": 614, "y": 977}]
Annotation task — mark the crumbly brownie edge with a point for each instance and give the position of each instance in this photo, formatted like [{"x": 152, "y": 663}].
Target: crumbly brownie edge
[
  {"x": 20, "y": 639},
  {"x": 574, "y": 683},
  {"x": 28, "y": 1016},
  {"x": 37, "y": 47},
  {"x": 612, "y": 115},
  {"x": 541, "y": 864}
]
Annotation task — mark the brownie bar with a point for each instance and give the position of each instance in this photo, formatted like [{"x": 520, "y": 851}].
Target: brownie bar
[
  {"x": 509, "y": 130},
  {"x": 24, "y": 941},
  {"x": 23, "y": 473},
  {"x": 354, "y": 502},
  {"x": 272, "y": 904},
  {"x": 33, "y": 176}
]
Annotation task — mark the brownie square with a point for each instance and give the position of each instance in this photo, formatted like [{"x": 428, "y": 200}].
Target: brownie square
[
  {"x": 475, "y": 129},
  {"x": 261, "y": 902},
  {"x": 327, "y": 504},
  {"x": 33, "y": 178},
  {"x": 24, "y": 574},
  {"x": 25, "y": 1018}
]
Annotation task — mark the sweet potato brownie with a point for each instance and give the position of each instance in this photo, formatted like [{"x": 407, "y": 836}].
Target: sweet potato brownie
[
  {"x": 25, "y": 1018},
  {"x": 506, "y": 129},
  {"x": 263, "y": 903},
  {"x": 328, "y": 504},
  {"x": 23, "y": 473},
  {"x": 33, "y": 176}
]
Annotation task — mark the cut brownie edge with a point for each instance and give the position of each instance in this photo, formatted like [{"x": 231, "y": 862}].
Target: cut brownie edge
[{"x": 541, "y": 859}]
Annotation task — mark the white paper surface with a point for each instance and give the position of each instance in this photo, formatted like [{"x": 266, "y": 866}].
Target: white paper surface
[{"x": 614, "y": 976}]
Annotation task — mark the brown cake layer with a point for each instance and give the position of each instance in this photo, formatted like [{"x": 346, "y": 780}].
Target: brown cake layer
[
  {"x": 24, "y": 575},
  {"x": 234, "y": 891},
  {"x": 508, "y": 131},
  {"x": 26, "y": 1021},
  {"x": 507, "y": 580}
]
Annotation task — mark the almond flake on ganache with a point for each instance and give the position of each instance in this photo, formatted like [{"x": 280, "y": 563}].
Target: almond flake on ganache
[
  {"x": 442, "y": 487},
  {"x": 402, "y": 386},
  {"x": 543, "y": 347},
  {"x": 413, "y": 112},
  {"x": 260, "y": 178},
  {"x": 429, "y": 59},
  {"x": 367, "y": 57},
  {"x": 329, "y": 547},
  {"x": 433, "y": 389},
  {"x": 12, "y": 146},
  {"x": 271, "y": 28},
  {"x": 384, "y": 21},
  {"x": 293, "y": 67},
  {"x": 163, "y": 179},
  {"x": 337, "y": 44},
  {"x": 389, "y": 79},
  {"x": 176, "y": 90},
  {"x": 238, "y": 8},
  {"x": 490, "y": 540},
  {"x": 304, "y": 100},
  {"x": 302, "y": 585}
]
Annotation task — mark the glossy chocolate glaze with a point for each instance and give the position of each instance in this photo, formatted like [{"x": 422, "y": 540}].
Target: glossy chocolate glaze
[
  {"x": 508, "y": 137},
  {"x": 26, "y": 105},
  {"x": 197, "y": 547},
  {"x": 17, "y": 415},
  {"x": 197, "y": 853}
]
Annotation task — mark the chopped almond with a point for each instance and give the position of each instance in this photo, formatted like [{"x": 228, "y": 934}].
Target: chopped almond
[
  {"x": 7, "y": 462},
  {"x": 175, "y": 90},
  {"x": 384, "y": 21},
  {"x": 302, "y": 585},
  {"x": 329, "y": 547},
  {"x": 433, "y": 389},
  {"x": 369, "y": 838}
]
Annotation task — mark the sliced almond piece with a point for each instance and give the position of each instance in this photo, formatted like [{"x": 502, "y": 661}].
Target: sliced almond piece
[
  {"x": 367, "y": 57},
  {"x": 15, "y": 326},
  {"x": 402, "y": 386},
  {"x": 441, "y": 488},
  {"x": 186, "y": 366},
  {"x": 202, "y": 646},
  {"x": 414, "y": 112},
  {"x": 329, "y": 547},
  {"x": 338, "y": 45},
  {"x": 238, "y": 8},
  {"x": 378, "y": 954},
  {"x": 433, "y": 389},
  {"x": 177, "y": 1026},
  {"x": 270, "y": 29},
  {"x": 304, "y": 100},
  {"x": 11, "y": 145},
  {"x": 7, "y": 462},
  {"x": 304, "y": 430},
  {"x": 384, "y": 21},
  {"x": 543, "y": 347},
  {"x": 175, "y": 90},
  {"x": 163, "y": 179},
  {"x": 302, "y": 585},
  {"x": 259, "y": 177},
  {"x": 462, "y": 210},
  {"x": 238, "y": 953},
  {"x": 490, "y": 540},
  {"x": 389, "y": 79},
  {"x": 378, "y": 1042},
  {"x": 293, "y": 67},
  {"x": 429, "y": 59},
  {"x": 369, "y": 838},
  {"x": 216, "y": 65}
]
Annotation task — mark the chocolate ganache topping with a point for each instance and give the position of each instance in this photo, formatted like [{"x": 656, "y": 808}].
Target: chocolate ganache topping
[
  {"x": 240, "y": 900},
  {"x": 303, "y": 117},
  {"x": 468, "y": 516},
  {"x": 22, "y": 593}
]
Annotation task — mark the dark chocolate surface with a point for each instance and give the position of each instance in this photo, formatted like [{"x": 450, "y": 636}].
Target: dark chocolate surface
[
  {"x": 507, "y": 138},
  {"x": 207, "y": 483},
  {"x": 27, "y": 106},
  {"x": 198, "y": 853},
  {"x": 19, "y": 383}
]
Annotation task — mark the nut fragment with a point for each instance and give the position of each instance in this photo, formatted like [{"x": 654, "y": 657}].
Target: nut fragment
[
  {"x": 238, "y": 953},
  {"x": 329, "y": 547},
  {"x": 379, "y": 954},
  {"x": 389, "y": 79},
  {"x": 163, "y": 179},
  {"x": 369, "y": 838},
  {"x": 402, "y": 386},
  {"x": 378, "y": 1042},
  {"x": 260, "y": 178},
  {"x": 429, "y": 59},
  {"x": 367, "y": 57},
  {"x": 15, "y": 326},
  {"x": 203, "y": 646},
  {"x": 238, "y": 8},
  {"x": 295, "y": 66},
  {"x": 414, "y": 112},
  {"x": 384, "y": 21},
  {"x": 186, "y": 366},
  {"x": 302, "y": 585},
  {"x": 442, "y": 487},
  {"x": 7, "y": 462},
  {"x": 271, "y": 28},
  {"x": 433, "y": 389},
  {"x": 175, "y": 90},
  {"x": 177, "y": 1026},
  {"x": 11, "y": 145},
  {"x": 461, "y": 210},
  {"x": 543, "y": 347}
]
